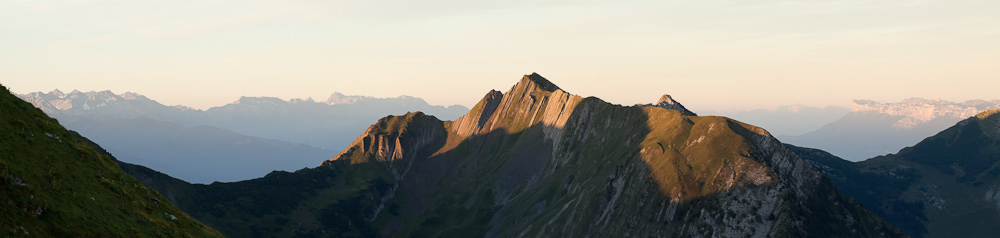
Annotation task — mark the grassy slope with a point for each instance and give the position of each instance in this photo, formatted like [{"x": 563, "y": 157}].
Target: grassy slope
[{"x": 52, "y": 184}]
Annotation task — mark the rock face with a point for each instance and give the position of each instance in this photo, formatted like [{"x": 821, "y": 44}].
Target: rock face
[
  {"x": 944, "y": 186},
  {"x": 536, "y": 161},
  {"x": 877, "y": 128},
  {"x": 54, "y": 185}
]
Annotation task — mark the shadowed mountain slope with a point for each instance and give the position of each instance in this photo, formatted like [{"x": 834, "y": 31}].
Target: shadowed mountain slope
[
  {"x": 538, "y": 161},
  {"x": 945, "y": 186},
  {"x": 53, "y": 185}
]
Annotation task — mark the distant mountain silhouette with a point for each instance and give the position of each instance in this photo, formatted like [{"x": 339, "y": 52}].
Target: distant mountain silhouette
[
  {"x": 238, "y": 141},
  {"x": 200, "y": 154},
  {"x": 787, "y": 120},
  {"x": 878, "y": 128}
]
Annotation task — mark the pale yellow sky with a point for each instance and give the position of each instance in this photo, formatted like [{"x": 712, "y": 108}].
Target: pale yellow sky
[{"x": 710, "y": 55}]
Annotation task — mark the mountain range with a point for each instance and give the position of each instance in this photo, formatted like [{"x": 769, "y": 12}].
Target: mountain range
[
  {"x": 297, "y": 120},
  {"x": 531, "y": 161},
  {"x": 877, "y": 128},
  {"x": 201, "y": 154},
  {"x": 242, "y": 140},
  {"x": 538, "y": 161}
]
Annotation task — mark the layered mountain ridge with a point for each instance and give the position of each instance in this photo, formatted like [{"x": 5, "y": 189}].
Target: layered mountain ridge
[
  {"x": 916, "y": 111},
  {"x": 200, "y": 146},
  {"x": 786, "y": 120},
  {"x": 266, "y": 117},
  {"x": 878, "y": 128}
]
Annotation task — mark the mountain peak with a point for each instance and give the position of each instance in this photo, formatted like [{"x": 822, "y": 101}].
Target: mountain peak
[
  {"x": 251, "y": 101},
  {"x": 299, "y": 100},
  {"x": 541, "y": 82},
  {"x": 669, "y": 103},
  {"x": 988, "y": 114},
  {"x": 533, "y": 100},
  {"x": 989, "y": 122},
  {"x": 340, "y": 98},
  {"x": 133, "y": 96},
  {"x": 58, "y": 93}
]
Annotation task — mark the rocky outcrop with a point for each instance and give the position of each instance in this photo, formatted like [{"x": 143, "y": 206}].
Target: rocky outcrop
[
  {"x": 668, "y": 102},
  {"x": 989, "y": 121}
]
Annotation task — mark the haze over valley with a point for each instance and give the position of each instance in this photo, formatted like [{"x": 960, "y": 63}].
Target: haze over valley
[{"x": 238, "y": 141}]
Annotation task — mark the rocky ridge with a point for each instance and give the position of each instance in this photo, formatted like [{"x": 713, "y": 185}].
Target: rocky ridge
[{"x": 668, "y": 102}]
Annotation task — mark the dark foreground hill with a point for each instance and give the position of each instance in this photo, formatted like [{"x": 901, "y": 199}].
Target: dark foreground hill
[
  {"x": 948, "y": 185},
  {"x": 54, "y": 185},
  {"x": 539, "y": 162}
]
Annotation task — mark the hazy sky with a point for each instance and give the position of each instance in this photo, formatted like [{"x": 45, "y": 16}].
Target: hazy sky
[{"x": 710, "y": 55}]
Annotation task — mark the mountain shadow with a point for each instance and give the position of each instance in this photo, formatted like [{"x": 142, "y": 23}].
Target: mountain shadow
[
  {"x": 537, "y": 161},
  {"x": 948, "y": 185}
]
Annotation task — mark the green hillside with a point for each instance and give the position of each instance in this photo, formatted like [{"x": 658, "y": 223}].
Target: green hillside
[{"x": 54, "y": 185}]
